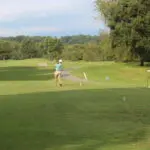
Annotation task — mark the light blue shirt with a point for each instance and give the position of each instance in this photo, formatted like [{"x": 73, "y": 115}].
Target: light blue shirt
[{"x": 58, "y": 67}]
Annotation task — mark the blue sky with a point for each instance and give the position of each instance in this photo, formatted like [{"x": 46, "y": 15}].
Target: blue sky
[{"x": 49, "y": 17}]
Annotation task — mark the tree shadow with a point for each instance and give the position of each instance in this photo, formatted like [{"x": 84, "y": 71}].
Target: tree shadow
[
  {"x": 79, "y": 119},
  {"x": 137, "y": 64},
  {"x": 25, "y": 73}
]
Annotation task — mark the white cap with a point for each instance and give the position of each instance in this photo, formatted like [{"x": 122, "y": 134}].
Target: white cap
[{"x": 60, "y": 60}]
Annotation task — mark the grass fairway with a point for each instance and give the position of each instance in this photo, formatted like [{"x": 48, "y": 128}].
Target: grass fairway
[{"x": 101, "y": 115}]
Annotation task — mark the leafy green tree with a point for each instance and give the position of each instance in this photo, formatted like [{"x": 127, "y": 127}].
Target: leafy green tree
[
  {"x": 129, "y": 22},
  {"x": 73, "y": 52},
  {"x": 28, "y": 49},
  {"x": 5, "y": 49},
  {"x": 16, "y": 51},
  {"x": 51, "y": 47}
]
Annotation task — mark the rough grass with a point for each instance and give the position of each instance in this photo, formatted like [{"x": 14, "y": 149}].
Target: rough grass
[
  {"x": 119, "y": 73},
  {"x": 107, "y": 115}
]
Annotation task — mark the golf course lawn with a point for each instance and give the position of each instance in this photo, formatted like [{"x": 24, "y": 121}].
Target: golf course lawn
[{"x": 112, "y": 114}]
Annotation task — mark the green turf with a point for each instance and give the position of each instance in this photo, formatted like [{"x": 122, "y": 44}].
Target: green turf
[
  {"x": 119, "y": 73},
  {"x": 37, "y": 115}
]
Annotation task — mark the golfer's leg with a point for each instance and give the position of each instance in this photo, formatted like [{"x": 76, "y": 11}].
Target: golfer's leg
[
  {"x": 56, "y": 78},
  {"x": 59, "y": 79},
  {"x": 56, "y": 81}
]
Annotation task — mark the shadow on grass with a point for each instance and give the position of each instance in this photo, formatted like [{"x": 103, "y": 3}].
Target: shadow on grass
[
  {"x": 81, "y": 119},
  {"x": 25, "y": 73},
  {"x": 137, "y": 64}
]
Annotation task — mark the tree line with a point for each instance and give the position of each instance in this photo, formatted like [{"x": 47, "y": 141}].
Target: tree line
[
  {"x": 77, "y": 47},
  {"x": 96, "y": 48},
  {"x": 74, "y": 48},
  {"x": 23, "y": 47}
]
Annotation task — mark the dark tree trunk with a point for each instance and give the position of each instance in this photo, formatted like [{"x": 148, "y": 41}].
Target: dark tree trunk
[{"x": 142, "y": 62}]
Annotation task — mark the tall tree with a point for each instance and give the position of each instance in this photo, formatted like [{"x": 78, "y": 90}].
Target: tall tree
[
  {"x": 129, "y": 22},
  {"x": 28, "y": 48},
  {"x": 51, "y": 47},
  {"x": 5, "y": 49}
]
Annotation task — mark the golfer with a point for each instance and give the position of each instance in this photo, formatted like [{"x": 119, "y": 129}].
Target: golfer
[{"x": 58, "y": 72}]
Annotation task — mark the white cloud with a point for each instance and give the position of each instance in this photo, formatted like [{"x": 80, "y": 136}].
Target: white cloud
[
  {"x": 30, "y": 17},
  {"x": 13, "y": 9}
]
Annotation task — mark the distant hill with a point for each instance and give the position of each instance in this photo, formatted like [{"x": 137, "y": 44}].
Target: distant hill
[{"x": 79, "y": 39}]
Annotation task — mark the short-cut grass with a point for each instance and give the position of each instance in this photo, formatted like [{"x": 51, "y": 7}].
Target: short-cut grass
[{"x": 100, "y": 115}]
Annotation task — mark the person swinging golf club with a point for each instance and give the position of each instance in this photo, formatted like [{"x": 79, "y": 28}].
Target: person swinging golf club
[{"x": 58, "y": 72}]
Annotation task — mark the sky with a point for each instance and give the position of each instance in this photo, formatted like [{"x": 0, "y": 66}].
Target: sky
[{"x": 49, "y": 18}]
